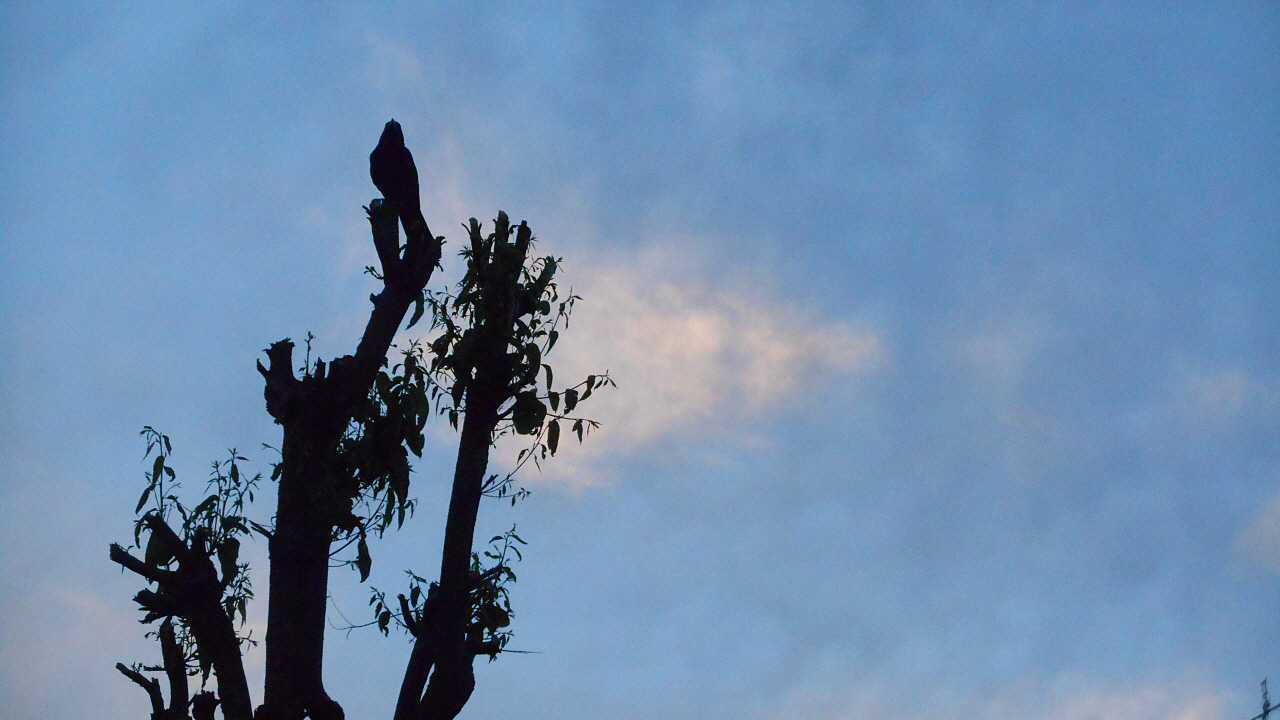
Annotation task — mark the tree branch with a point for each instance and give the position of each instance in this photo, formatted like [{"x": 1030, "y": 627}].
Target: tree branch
[
  {"x": 193, "y": 593},
  {"x": 165, "y": 534},
  {"x": 487, "y": 575},
  {"x": 386, "y": 237},
  {"x": 175, "y": 667},
  {"x": 415, "y": 679},
  {"x": 121, "y": 557},
  {"x": 279, "y": 377},
  {"x": 484, "y": 647},
  {"x": 157, "y": 604},
  {"x": 407, "y": 613},
  {"x": 151, "y": 685},
  {"x": 403, "y": 281},
  {"x": 448, "y": 642}
]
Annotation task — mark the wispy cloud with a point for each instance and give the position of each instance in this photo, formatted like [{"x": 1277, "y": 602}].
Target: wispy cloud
[
  {"x": 1260, "y": 540},
  {"x": 392, "y": 64},
  {"x": 61, "y": 624},
  {"x": 1058, "y": 700},
  {"x": 1154, "y": 701},
  {"x": 692, "y": 361},
  {"x": 1214, "y": 397}
]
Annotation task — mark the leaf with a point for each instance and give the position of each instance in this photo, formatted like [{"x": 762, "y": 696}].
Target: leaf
[
  {"x": 570, "y": 400},
  {"x": 440, "y": 346},
  {"x": 418, "y": 308},
  {"x": 546, "y": 367},
  {"x": 501, "y": 618},
  {"x": 157, "y": 468},
  {"x": 534, "y": 354},
  {"x": 553, "y": 436},
  {"x": 206, "y": 505},
  {"x": 228, "y": 553},
  {"x": 156, "y": 555},
  {"x": 143, "y": 500},
  {"x": 552, "y": 397},
  {"x": 384, "y": 619},
  {"x": 577, "y": 427},
  {"x": 551, "y": 342},
  {"x": 528, "y": 413},
  {"x": 363, "y": 561}
]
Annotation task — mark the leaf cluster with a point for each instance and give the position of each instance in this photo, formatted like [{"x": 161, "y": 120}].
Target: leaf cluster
[
  {"x": 212, "y": 528},
  {"x": 373, "y": 456},
  {"x": 491, "y": 611},
  {"x": 535, "y": 313}
]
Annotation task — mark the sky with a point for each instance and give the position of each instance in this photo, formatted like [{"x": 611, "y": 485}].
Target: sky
[{"x": 945, "y": 337}]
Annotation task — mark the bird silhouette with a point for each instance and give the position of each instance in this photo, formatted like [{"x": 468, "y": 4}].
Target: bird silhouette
[{"x": 392, "y": 170}]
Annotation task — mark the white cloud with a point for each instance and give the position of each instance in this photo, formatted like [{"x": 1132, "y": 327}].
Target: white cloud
[{"x": 692, "y": 361}]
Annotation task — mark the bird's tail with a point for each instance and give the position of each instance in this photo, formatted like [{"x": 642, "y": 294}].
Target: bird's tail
[{"x": 415, "y": 225}]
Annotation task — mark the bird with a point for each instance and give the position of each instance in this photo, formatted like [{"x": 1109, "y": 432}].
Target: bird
[{"x": 392, "y": 170}]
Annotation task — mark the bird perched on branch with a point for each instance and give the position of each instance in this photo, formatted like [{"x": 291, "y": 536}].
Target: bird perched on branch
[{"x": 396, "y": 177}]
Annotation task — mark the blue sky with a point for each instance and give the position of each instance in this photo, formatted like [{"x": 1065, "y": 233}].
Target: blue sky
[{"x": 945, "y": 337}]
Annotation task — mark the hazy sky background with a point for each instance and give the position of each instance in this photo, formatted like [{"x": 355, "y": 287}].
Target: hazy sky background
[{"x": 945, "y": 337}]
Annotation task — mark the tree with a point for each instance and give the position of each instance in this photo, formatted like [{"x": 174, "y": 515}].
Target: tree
[{"x": 343, "y": 479}]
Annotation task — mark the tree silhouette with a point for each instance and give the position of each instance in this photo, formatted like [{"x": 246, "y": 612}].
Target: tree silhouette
[{"x": 343, "y": 478}]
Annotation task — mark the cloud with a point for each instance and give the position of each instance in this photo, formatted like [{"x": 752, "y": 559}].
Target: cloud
[
  {"x": 1000, "y": 349},
  {"x": 693, "y": 361},
  {"x": 1205, "y": 398},
  {"x": 1223, "y": 396},
  {"x": 1260, "y": 541},
  {"x": 1056, "y": 700},
  {"x": 59, "y": 626},
  {"x": 392, "y": 64},
  {"x": 1116, "y": 702}
]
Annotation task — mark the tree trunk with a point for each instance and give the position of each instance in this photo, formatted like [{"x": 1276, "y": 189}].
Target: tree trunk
[
  {"x": 443, "y": 641},
  {"x": 315, "y": 412},
  {"x": 300, "y": 575}
]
